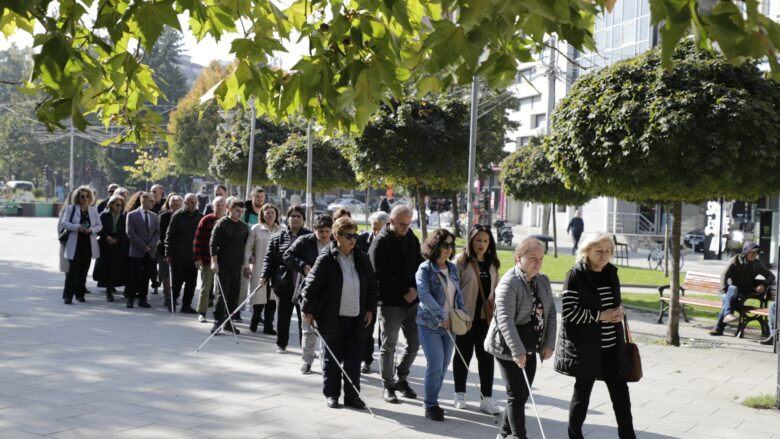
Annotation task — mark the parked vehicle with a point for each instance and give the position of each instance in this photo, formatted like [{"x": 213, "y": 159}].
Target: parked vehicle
[
  {"x": 504, "y": 234},
  {"x": 19, "y": 185},
  {"x": 694, "y": 240},
  {"x": 350, "y": 204}
]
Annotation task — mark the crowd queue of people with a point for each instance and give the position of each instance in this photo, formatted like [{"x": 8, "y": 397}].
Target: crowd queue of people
[{"x": 341, "y": 283}]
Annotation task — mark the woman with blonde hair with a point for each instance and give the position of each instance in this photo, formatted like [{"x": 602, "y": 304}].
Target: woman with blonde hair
[
  {"x": 523, "y": 326},
  {"x": 83, "y": 224},
  {"x": 264, "y": 301},
  {"x": 591, "y": 345}
]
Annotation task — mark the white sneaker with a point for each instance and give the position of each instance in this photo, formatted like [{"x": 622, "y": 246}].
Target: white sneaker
[
  {"x": 728, "y": 318},
  {"x": 460, "y": 400},
  {"x": 202, "y": 318},
  {"x": 281, "y": 350},
  {"x": 488, "y": 406}
]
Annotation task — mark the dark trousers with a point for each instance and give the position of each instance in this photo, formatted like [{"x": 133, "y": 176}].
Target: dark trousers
[
  {"x": 368, "y": 344},
  {"x": 576, "y": 238},
  {"x": 186, "y": 275},
  {"x": 618, "y": 393},
  {"x": 468, "y": 343},
  {"x": 346, "y": 352},
  {"x": 267, "y": 310},
  {"x": 285, "y": 309},
  {"x": 230, "y": 280},
  {"x": 513, "y": 424},
  {"x": 140, "y": 271},
  {"x": 78, "y": 267}
]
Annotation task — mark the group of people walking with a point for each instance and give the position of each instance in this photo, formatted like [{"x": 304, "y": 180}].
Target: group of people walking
[{"x": 341, "y": 283}]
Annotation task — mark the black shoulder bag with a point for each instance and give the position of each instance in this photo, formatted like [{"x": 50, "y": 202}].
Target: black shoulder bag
[{"x": 64, "y": 233}]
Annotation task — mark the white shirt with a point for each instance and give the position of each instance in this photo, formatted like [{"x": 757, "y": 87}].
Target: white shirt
[
  {"x": 350, "y": 287},
  {"x": 449, "y": 290}
]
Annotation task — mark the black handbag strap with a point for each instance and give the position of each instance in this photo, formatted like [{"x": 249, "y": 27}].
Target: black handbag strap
[{"x": 629, "y": 339}]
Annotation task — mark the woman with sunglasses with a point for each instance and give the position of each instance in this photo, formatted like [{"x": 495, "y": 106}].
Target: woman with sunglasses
[
  {"x": 339, "y": 298},
  {"x": 438, "y": 287},
  {"x": 478, "y": 271},
  {"x": 109, "y": 268},
  {"x": 82, "y": 222}
]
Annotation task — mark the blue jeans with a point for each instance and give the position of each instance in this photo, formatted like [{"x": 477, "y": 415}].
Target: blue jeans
[
  {"x": 729, "y": 304},
  {"x": 772, "y": 317},
  {"x": 437, "y": 345}
]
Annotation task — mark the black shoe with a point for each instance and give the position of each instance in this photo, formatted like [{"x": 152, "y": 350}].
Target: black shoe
[
  {"x": 389, "y": 396},
  {"x": 434, "y": 413},
  {"x": 257, "y": 317},
  {"x": 333, "y": 402},
  {"x": 187, "y": 310},
  {"x": 716, "y": 332},
  {"x": 109, "y": 296},
  {"x": 269, "y": 331},
  {"x": 406, "y": 390},
  {"x": 768, "y": 341},
  {"x": 68, "y": 301},
  {"x": 130, "y": 303},
  {"x": 235, "y": 330},
  {"x": 355, "y": 403},
  {"x": 366, "y": 368},
  {"x": 237, "y": 318},
  {"x": 215, "y": 328},
  {"x": 306, "y": 369},
  {"x": 143, "y": 303},
  {"x": 81, "y": 299}
]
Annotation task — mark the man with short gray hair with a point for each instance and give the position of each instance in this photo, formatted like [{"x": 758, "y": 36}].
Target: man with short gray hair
[
  {"x": 178, "y": 251},
  {"x": 143, "y": 231},
  {"x": 395, "y": 255}
]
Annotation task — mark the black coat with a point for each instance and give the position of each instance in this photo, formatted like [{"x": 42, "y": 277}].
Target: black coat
[
  {"x": 110, "y": 265},
  {"x": 274, "y": 269},
  {"x": 165, "y": 221},
  {"x": 578, "y": 352},
  {"x": 364, "y": 241},
  {"x": 180, "y": 235},
  {"x": 321, "y": 293},
  {"x": 301, "y": 253},
  {"x": 395, "y": 260}
]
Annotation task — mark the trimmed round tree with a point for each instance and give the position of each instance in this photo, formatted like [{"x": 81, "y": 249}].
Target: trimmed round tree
[
  {"x": 528, "y": 175},
  {"x": 704, "y": 129},
  {"x": 330, "y": 170}
]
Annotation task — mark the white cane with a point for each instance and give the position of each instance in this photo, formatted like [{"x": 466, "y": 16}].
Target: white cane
[
  {"x": 225, "y": 321},
  {"x": 479, "y": 389},
  {"x": 531, "y": 394},
  {"x": 173, "y": 304},
  {"x": 227, "y": 308},
  {"x": 338, "y": 363}
]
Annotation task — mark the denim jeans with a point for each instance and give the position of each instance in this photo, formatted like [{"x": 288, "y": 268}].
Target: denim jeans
[
  {"x": 772, "y": 317},
  {"x": 438, "y": 347},
  {"x": 391, "y": 320},
  {"x": 728, "y": 307}
]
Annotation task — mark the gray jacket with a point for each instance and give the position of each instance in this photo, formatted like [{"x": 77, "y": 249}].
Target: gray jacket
[{"x": 514, "y": 305}]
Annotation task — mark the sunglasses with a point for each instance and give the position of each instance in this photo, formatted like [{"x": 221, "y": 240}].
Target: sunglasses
[
  {"x": 447, "y": 245},
  {"x": 350, "y": 236}
]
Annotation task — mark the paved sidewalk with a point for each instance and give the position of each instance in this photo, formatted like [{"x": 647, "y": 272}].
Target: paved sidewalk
[{"x": 100, "y": 370}]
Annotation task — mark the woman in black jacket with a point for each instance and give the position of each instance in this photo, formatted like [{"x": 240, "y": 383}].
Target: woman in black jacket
[
  {"x": 109, "y": 268},
  {"x": 592, "y": 344},
  {"x": 339, "y": 298}
]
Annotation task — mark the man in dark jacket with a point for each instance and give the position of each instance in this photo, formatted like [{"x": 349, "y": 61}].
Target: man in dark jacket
[
  {"x": 281, "y": 278},
  {"x": 395, "y": 255},
  {"x": 300, "y": 257},
  {"x": 378, "y": 221},
  {"x": 739, "y": 282},
  {"x": 254, "y": 207},
  {"x": 178, "y": 251},
  {"x": 227, "y": 258}
]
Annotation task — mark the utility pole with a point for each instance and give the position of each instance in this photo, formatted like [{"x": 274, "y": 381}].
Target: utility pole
[
  {"x": 70, "y": 175},
  {"x": 551, "y": 78},
  {"x": 251, "y": 151},
  {"x": 472, "y": 152},
  {"x": 309, "y": 164}
]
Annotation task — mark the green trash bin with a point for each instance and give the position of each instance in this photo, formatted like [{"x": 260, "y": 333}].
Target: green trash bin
[
  {"x": 28, "y": 209},
  {"x": 12, "y": 209},
  {"x": 44, "y": 209}
]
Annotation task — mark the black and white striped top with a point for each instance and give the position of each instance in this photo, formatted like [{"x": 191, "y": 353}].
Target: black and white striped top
[{"x": 574, "y": 313}]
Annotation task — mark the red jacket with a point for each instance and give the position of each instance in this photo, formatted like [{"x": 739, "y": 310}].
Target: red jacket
[{"x": 200, "y": 245}]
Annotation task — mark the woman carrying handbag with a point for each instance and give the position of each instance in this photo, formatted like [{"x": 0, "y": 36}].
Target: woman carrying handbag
[
  {"x": 441, "y": 301},
  {"x": 592, "y": 344}
]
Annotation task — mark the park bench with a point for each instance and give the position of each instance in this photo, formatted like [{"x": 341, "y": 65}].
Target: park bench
[{"x": 709, "y": 285}]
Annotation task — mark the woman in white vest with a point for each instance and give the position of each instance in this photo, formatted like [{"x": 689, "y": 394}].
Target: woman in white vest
[
  {"x": 82, "y": 223},
  {"x": 254, "y": 252}
]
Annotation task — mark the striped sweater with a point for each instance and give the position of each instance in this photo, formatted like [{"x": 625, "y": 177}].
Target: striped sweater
[
  {"x": 200, "y": 245},
  {"x": 571, "y": 310}
]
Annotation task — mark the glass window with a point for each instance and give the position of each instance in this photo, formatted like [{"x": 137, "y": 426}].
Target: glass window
[
  {"x": 644, "y": 28},
  {"x": 538, "y": 120},
  {"x": 524, "y": 140},
  {"x": 629, "y": 32},
  {"x": 630, "y": 8},
  {"x": 615, "y": 37}
]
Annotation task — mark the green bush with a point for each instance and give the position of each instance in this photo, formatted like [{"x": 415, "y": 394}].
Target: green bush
[{"x": 765, "y": 401}]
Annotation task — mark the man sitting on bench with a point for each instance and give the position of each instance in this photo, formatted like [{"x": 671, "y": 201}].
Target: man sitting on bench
[{"x": 738, "y": 281}]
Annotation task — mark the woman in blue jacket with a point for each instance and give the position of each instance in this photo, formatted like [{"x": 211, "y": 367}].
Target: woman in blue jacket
[{"x": 438, "y": 288}]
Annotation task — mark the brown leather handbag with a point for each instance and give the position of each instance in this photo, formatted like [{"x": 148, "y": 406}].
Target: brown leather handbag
[{"x": 635, "y": 374}]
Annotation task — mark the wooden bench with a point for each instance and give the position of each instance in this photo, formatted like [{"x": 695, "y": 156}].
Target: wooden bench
[{"x": 709, "y": 285}]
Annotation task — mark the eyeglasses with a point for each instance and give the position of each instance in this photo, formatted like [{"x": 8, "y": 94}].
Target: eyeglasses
[
  {"x": 447, "y": 245},
  {"x": 350, "y": 236}
]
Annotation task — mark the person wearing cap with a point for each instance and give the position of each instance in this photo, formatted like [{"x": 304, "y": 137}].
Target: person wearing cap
[{"x": 739, "y": 282}]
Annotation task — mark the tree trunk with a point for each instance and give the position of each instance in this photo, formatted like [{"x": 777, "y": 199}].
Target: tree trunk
[
  {"x": 555, "y": 232},
  {"x": 421, "y": 213},
  {"x": 545, "y": 219},
  {"x": 455, "y": 214},
  {"x": 673, "y": 331}
]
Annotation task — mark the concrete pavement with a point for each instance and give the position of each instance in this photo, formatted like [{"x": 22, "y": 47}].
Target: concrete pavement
[{"x": 100, "y": 370}]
